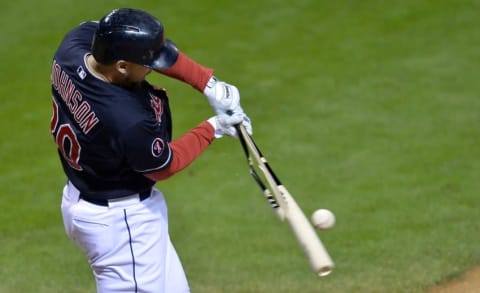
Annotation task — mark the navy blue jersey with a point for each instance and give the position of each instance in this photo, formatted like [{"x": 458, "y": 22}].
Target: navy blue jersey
[{"x": 107, "y": 136}]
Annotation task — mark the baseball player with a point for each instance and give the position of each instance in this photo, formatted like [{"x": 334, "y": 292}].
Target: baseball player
[{"x": 113, "y": 130}]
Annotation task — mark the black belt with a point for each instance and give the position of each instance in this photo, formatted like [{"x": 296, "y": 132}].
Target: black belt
[{"x": 104, "y": 202}]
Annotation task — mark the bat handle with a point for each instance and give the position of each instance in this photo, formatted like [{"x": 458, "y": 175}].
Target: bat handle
[{"x": 238, "y": 126}]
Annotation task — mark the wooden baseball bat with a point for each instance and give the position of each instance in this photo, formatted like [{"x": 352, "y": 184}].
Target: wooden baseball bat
[{"x": 320, "y": 261}]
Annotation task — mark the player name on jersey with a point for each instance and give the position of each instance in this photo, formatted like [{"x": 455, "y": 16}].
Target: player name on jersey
[{"x": 80, "y": 109}]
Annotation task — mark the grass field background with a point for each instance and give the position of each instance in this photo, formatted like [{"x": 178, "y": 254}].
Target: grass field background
[{"x": 368, "y": 108}]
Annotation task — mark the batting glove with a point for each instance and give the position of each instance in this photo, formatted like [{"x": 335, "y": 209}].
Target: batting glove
[
  {"x": 247, "y": 123},
  {"x": 224, "y": 124},
  {"x": 222, "y": 97}
]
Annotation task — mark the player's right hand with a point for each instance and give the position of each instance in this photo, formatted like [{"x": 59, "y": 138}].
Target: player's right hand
[{"x": 222, "y": 97}]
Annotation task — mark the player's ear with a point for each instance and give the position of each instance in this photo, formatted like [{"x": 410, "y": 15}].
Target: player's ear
[{"x": 122, "y": 67}]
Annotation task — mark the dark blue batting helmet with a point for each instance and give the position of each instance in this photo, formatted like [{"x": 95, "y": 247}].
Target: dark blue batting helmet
[{"x": 135, "y": 36}]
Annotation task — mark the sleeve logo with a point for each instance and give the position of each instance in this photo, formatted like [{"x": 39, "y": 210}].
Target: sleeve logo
[
  {"x": 157, "y": 147},
  {"x": 157, "y": 106}
]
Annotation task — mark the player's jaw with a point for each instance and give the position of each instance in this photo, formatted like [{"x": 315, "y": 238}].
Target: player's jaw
[{"x": 130, "y": 74}]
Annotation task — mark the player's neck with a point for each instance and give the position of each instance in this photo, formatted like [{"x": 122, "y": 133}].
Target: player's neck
[{"x": 99, "y": 70}]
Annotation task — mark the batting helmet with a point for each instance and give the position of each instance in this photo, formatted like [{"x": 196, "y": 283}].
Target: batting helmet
[{"x": 135, "y": 36}]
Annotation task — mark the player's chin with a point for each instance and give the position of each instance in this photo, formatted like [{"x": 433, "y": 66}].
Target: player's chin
[
  {"x": 136, "y": 80},
  {"x": 141, "y": 78},
  {"x": 132, "y": 85}
]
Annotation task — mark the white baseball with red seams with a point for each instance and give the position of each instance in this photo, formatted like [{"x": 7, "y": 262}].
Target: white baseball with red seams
[{"x": 323, "y": 219}]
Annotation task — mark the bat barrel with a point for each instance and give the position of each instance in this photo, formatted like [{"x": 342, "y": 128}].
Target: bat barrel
[
  {"x": 320, "y": 261},
  {"x": 324, "y": 271}
]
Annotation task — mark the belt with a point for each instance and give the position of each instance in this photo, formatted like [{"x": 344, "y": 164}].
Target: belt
[{"x": 104, "y": 202}]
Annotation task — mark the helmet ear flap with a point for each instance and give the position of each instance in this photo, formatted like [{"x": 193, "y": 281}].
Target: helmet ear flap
[{"x": 167, "y": 57}]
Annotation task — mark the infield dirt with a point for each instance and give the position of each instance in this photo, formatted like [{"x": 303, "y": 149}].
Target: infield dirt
[{"x": 467, "y": 283}]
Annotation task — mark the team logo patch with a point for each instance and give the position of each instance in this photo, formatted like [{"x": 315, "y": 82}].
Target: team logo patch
[
  {"x": 157, "y": 106},
  {"x": 157, "y": 147}
]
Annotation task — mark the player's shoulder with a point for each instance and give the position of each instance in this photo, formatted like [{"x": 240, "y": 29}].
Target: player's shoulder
[
  {"x": 155, "y": 88},
  {"x": 84, "y": 29},
  {"x": 121, "y": 107},
  {"x": 76, "y": 43},
  {"x": 87, "y": 27}
]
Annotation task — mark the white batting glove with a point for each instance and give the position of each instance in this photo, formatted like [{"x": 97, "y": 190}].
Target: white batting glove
[
  {"x": 247, "y": 123},
  {"x": 222, "y": 97},
  {"x": 224, "y": 124}
]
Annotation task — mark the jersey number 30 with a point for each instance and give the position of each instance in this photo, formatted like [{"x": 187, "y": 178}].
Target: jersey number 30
[{"x": 66, "y": 140}]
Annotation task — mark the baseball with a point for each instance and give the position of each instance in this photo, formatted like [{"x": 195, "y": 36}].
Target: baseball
[{"x": 323, "y": 219}]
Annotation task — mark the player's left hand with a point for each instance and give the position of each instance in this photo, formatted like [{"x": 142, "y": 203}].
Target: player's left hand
[
  {"x": 222, "y": 97},
  {"x": 247, "y": 123},
  {"x": 224, "y": 124}
]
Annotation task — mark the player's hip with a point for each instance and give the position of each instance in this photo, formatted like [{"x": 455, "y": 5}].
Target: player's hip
[{"x": 81, "y": 215}]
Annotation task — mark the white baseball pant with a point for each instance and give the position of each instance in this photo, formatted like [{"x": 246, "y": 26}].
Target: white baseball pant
[{"x": 127, "y": 242}]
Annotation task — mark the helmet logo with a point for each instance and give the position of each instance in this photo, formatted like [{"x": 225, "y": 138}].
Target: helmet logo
[{"x": 151, "y": 53}]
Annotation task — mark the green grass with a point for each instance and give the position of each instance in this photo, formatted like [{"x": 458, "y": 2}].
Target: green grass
[{"x": 368, "y": 108}]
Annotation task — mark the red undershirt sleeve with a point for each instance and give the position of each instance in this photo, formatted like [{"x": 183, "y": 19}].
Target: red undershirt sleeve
[
  {"x": 185, "y": 149},
  {"x": 189, "y": 71}
]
